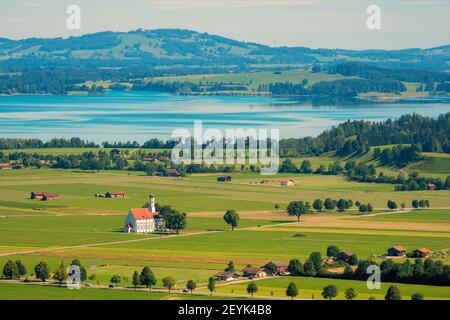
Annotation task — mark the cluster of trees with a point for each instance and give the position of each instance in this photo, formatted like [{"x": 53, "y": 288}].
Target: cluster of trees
[
  {"x": 376, "y": 73},
  {"x": 397, "y": 156},
  {"x": 342, "y": 87},
  {"x": 285, "y": 88},
  {"x": 174, "y": 219},
  {"x": 427, "y": 272},
  {"x": 355, "y": 137},
  {"x": 352, "y": 87}
]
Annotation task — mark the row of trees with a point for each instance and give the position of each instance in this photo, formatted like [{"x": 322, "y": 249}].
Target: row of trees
[
  {"x": 16, "y": 270},
  {"x": 427, "y": 272}
]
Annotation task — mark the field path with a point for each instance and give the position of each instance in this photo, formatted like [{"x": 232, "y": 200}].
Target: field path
[{"x": 134, "y": 240}]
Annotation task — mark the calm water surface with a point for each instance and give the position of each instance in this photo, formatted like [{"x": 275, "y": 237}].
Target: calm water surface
[{"x": 141, "y": 115}]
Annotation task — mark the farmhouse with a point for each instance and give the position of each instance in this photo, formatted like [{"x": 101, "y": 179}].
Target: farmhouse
[
  {"x": 224, "y": 179},
  {"x": 149, "y": 159},
  {"x": 173, "y": 173},
  {"x": 287, "y": 183},
  {"x": 44, "y": 196},
  {"x": 421, "y": 252},
  {"x": 115, "y": 195},
  {"x": 282, "y": 266},
  {"x": 344, "y": 255},
  {"x": 254, "y": 272},
  {"x": 5, "y": 165},
  {"x": 164, "y": 159},
  {"x": 225, "y": 276},
  {"x": 50, "y": 197},
  {"x": 397, "y": 251},
  {"x": 144, "y": 220},
  {"x": 431, "y": 186}
]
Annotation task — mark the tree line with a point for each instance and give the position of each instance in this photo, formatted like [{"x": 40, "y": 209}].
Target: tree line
[{"x": 355, "y": 137}]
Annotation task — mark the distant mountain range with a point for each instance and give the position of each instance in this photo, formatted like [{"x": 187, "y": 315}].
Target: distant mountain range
[{"x": 163, "y": 48}]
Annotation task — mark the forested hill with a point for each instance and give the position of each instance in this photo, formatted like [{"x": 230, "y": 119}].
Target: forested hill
[
  {"x": 175, "y": 47},
  {"x": 355, "y": 137}
]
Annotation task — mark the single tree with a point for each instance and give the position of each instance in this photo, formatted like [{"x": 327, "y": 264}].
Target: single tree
[
  {"x": 417, "y": 296},
  {"x": 332, "y": 251},
  {"x": 393, "y": 293},
  {"x": 292, "y": 290},
  {"x": 342, "y": 205},
  {"x": 318, "y": 205},
  {"x": 271, "y": 268},
  {"x": 392, "y": 205},
  {"x": 211, "y": 285},
  {"x": 42, "y": 271},
  {"x": 369, "y": 207},
  {"x": 147, "y": 278},
  {"x": 191, "y": 285},
  {"x": 231, "y": 217},
  {"x": 168, "y": 282},
  {"x": 296, "y": 209},
  {"x": 10, "y": 270},
  {"x": 330, "y": 292},
  {"x": 230, "y": 267},
  {"x": 295, "y": 267},
  {"x": 115, "y": 279},
  {"x": 60, "y": 274},
  {"x": 176, "y": 221},
  {"x": 252, "y": 288},
  {"x": 277, "y": 206},
  {"x": 415, "y": 204},
  {"x": 329, "y": 204},
  {"x": 350, "y": 294},
  {"x": 83, "y": 271},
  {"x": 136, "y": 280},
  {"x": 21, "y": 269}
]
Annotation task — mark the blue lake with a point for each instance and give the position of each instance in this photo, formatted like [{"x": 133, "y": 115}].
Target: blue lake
[{"x": 138, "y": 116}]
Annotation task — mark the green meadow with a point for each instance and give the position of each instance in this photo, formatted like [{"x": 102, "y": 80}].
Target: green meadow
[
  {"x": 311, "y": 288},
  {"x": 80, "y": 225}
]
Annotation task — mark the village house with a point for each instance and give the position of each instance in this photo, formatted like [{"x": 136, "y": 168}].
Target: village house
[
  {"x": 150, "y": 159},
  {"x": 421, "y": 252},
  {"x": 431, "y": 186},
  {"x": 120, "y": 195},
  {"x": 287, "y": 183},
  {"x": 225, "y": 276},
  {"x": 5, "y": 165},
  {"x": 224, "y": 179},
  {"x": 44, "y": 196},
  {"x": 397, "y": 251},
  {"x": 173, "y": 173},
  {"x": 344, "y": 255},
  {"x": 281, "y": 266},
  {"x": 50, "y": 197},
  {"x": 250, "y": 272},
  {"x": 164, "y": 159},
  {"x": 144, "y": 220}
]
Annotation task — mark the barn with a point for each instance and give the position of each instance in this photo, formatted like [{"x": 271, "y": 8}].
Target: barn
[{"x": 397, "y": 251}]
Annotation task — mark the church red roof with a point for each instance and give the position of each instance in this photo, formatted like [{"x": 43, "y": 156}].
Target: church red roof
[{"x": 143, "y": 214}]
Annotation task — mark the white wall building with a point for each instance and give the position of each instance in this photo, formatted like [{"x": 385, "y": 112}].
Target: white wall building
[{"x": 144, "y": 220}]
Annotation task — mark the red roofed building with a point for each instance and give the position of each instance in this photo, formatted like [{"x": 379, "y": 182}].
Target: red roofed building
[
  {"x": 115, "y": 195},
  {"x": 431, "y": 186},
  {"x": 287, "y": 182},
  {"x": 144, "y": 220},
  {"x": 422, "y": 252}
]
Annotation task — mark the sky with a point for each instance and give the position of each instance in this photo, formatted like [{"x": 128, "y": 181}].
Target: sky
[{"x": 310, "y": 23}]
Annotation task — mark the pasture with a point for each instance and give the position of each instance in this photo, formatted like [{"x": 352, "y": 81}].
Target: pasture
[{"x": 80, "y": 225}]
